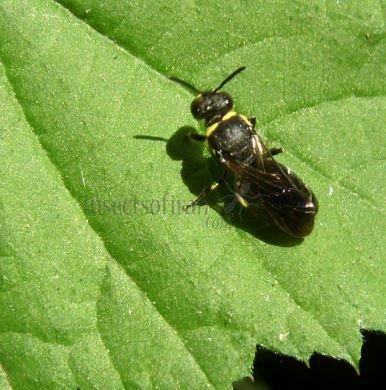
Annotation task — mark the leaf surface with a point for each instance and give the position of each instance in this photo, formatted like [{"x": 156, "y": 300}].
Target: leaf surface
[{"x": 105, "y": 281}]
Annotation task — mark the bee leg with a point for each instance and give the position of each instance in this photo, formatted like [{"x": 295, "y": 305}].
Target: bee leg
[
  {"x": 206, "y": 191},
  {"x": 275, "y": 151},
  {"x": 272, "y": 151},
  {"x": 197, "y": 137}
]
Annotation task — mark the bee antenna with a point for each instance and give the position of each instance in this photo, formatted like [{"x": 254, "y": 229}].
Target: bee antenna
[
  {"x": 230, "y": 77},
  {"x": 191, "y": 88}
]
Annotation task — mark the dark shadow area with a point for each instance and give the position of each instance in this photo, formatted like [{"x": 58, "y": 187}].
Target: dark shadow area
[
  {"x": 276, "y": 371},
  {"x": 196, "y": 171},
  {"x": 372, "y": 365}
]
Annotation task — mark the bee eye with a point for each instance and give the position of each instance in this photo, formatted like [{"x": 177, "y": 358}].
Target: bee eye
[{"x": 195, "y": 108}]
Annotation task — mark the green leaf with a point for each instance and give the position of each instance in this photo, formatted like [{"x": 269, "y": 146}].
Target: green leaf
[{"x": 105, "y": 281}]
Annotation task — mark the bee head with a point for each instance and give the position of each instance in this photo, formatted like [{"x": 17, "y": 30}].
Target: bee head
[{"x": 210, "y": 105}]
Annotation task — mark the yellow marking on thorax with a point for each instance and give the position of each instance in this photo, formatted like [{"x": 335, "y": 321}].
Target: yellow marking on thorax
[
  {"x": 229, "y": 115},
  {"x": 212, "y": 128},
  {"x": 245, "y": 119}
]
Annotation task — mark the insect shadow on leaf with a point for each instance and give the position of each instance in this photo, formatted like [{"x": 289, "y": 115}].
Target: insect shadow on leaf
[{"x": 198, "y": 171}]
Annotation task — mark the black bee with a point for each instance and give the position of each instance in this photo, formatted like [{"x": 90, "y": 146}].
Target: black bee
[{"x": 260, "y": 180}]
